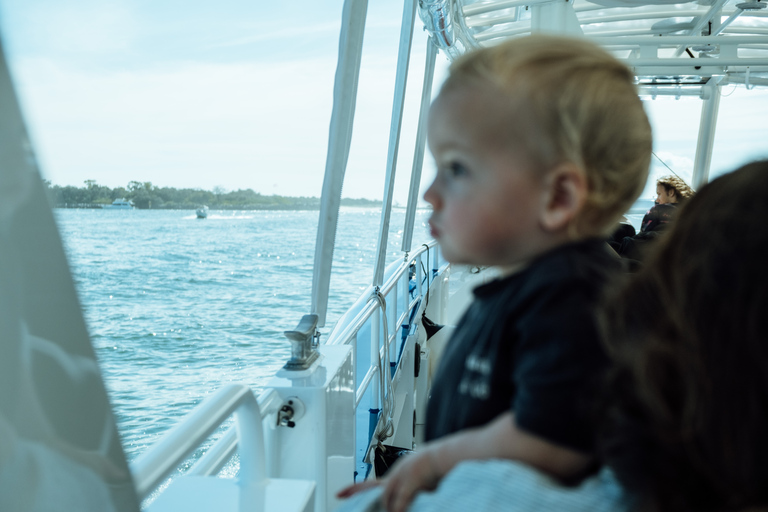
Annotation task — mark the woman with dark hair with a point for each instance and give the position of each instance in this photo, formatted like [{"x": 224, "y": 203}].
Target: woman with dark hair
[{"x": 687, "y": 423}]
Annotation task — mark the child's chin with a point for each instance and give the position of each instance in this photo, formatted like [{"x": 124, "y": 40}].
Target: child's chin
[{"x": 455, "y": 259}]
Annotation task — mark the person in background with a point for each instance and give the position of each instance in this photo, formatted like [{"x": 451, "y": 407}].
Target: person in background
[
  {"x": 671, "y": 191},
  {"x": 540, "y": 144}
]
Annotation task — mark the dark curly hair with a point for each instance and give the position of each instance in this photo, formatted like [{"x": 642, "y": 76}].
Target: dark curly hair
[
  {"x": 686, "y": 422},
  {"x": 682, "y": 191}
]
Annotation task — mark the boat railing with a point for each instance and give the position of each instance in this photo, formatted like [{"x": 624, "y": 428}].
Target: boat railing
[
  {"x": 381, "y": 329},
  {"x": 400, "y": 297},
  {"x": 222, "y": 451},
  {"x": 154, "y": 466},
  {"x": 346, "y": 330}
]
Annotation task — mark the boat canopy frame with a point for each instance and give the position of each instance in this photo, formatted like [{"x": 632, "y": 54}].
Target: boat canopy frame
[{"x": 676, "y": 48}]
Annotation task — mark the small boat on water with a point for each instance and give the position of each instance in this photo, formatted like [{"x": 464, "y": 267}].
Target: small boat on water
[
  {"x": 120, "y": 204},
  {"x": 202, "y": 212}
]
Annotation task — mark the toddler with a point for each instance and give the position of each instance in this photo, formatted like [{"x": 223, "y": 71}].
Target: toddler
[{"x": 541, "y": 143}]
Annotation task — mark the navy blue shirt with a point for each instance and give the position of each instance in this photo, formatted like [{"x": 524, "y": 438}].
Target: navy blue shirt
[{"x": 529, "y": 343}]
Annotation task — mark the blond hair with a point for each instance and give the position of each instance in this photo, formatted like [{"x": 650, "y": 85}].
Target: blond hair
[
  {"x": 570, "y": 101},
  {"x": 681, "y": 188}
]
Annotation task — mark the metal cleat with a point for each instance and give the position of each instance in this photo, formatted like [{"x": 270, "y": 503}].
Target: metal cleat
[{"x": 303, "y": 353}]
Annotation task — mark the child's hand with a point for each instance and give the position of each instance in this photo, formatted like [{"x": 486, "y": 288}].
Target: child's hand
[
  {"x": 359, "y": 487},
  {"x": 410, "y": 474}
]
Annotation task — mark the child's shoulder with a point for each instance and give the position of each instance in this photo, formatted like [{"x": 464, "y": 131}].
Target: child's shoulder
[
  {"x": 576, "y": 271},
  {"x": 584, "y": 260},
  {"x": 573, "y": 273}
]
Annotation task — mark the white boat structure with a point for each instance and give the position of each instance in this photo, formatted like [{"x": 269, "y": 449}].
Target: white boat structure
[
  {"x": 202, "y": 212},
  {"x": 308, "y": 433},
  {"x": 120, "y": 204}
]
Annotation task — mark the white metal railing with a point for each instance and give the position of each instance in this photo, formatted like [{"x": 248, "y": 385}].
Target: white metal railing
[
  {"x": 225, "y": 447},
  {"x": 396, "y": 122},
  {"x": 347, "y": 329},
  {"x": 427, "y": 268},
  {"x": 217, "y": 456},
  {"x": 390, "y": 320},
  {"x": 152, "y": 467}
]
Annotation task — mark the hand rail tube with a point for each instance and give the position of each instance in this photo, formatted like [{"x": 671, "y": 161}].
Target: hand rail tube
[
  {"x": 390, "y": 283},
  {"x": 715, "y": 9},
  {"x": 224, "y": 448},
  {"x": 395, "y": 128},
  {"x": 216, "y": 456},
  {"x": 418, "y": 151},
  {"x": 352, "y": 326},
  {"x": 373, "y": 370},
  {"x": 156, "y": 464},
  {"x": 363, "y": 387},
  {"x": 438, "y": 21}
]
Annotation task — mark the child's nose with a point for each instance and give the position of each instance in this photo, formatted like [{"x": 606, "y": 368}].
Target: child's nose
[{"x": 431, "y": 195}]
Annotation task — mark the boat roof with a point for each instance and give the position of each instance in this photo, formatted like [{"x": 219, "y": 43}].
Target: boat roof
[{"x": 668, "y": 43}]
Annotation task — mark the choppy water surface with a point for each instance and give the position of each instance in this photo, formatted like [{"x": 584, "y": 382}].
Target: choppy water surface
[{"x": 178, "y": 306}]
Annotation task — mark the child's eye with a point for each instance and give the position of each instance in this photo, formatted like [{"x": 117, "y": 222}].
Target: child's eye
[{"x": 457, "y": 170}]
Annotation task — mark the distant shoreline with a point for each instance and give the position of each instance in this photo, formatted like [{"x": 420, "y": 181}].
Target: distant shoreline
[
  {"x": 375, "y": 204},
  {"x": 146, "y": 196}
]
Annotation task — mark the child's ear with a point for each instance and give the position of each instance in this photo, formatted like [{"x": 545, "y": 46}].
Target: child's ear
[{"x": 566, "y": 189}]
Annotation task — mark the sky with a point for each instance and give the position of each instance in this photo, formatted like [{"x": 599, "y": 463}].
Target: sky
[
  {"x": 234, "y": 94},
  {"x": 237, "y": 94}
]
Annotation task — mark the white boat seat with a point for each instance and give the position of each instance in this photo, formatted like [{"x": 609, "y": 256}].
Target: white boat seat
[{"x": 203, "y": 493}]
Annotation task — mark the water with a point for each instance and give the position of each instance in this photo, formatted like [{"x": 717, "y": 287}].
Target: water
[{"x": 177, "y": 306}]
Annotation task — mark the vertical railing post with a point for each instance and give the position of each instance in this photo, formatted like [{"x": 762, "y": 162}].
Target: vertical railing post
[
  {"x": 406, "y": 299},
  {"x": 392, "y": 323},
  {"x": 418, "y": 152},
  {"x": 250, "y": 442},
  {"x": 435, "y": 261},
  {"x": 707, "y": 125},
  {"x": 401, "y": 79},
  {"x": 420, "y": 274},
  {"x": 375, "y": 335}
]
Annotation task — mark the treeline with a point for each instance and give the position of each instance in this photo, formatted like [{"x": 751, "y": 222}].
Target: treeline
[{"x": 147, "y": 196}]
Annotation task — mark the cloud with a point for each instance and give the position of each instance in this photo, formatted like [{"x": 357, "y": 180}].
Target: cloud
[
  {"x": 84, "y": 27},
  {"x": 737, "y": 132},
  {"x": 239, "y": 95},
  {"x": 270, "y": 34},
  {"x": 193, "y": 125},
  {"x": 238, "y": 125},
  {"x": 234, "y": 94}
]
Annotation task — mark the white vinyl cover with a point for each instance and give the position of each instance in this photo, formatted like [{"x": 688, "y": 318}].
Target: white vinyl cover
[{"x": 59, "y": 448}]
